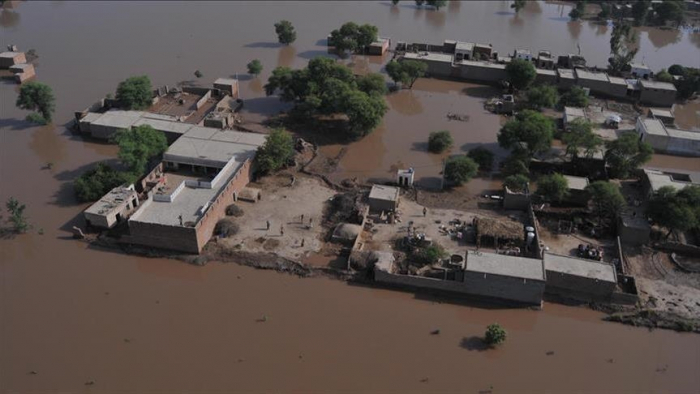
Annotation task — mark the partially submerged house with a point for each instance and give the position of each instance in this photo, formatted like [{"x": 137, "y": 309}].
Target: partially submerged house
[
  {"x": 11, "y": 58},
  {"x": 654, "y": 180},
  {"x": 379, "y": 47},
  {"x": 657, "y": 93},
  {"x": 666, "y": 116}
]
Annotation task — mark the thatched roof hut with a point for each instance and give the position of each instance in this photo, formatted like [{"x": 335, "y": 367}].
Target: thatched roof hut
[{"x": 498, "y": 230}]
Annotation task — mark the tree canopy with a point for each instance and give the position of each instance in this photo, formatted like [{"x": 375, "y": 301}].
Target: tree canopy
[
  {"x": 325, "y": 87},
  {"x": 439, "y": 141},
  {"x": 437, "y": 3},
  {"x": 521, "y": 73},
  {"x": 37, "y": 96},
  {"x": 460, "y": 169},
  {"x": 580, "y": 137},
  {"x": 285, "y": 32},
  {"x": 574, "y": 97},
  {"x": 518, "y": 5},
  {"x": 516, "y": 183},
  {"x": 495, "y": 334},
  {"x": 276, "y": 152},
  {"x": 578, "y": 11},
  {"x": 255, "y": 67},
  {"x": 138, "y": 145},
  {"x": 542, "y": 96},
  {"x": 406, "y": 72},
  {"x": 640, "y": 9},
  {"x": 553, "y": 187},
  {"x": 517, "y": 163},
  {"x": 664, "y": 76},
  {"x": 95, "y": 183},
  {"x": 622, "y": 47},
  {"x": 670, "y": 11},
  {"x": 135, "y": 93},
  {"x": 627, "y": 153},
  {"x": 530, "y": 128},
  {"x": 689, "y": 83},
  {"x": 483, "y": 157},
  {"x": 607, "y": 199},
  {"x": 353, "y": 37},
  {"x": 676, "y": 209}
]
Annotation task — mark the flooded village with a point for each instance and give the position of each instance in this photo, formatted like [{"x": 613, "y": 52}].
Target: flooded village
[{"x": 167, "y": 281}]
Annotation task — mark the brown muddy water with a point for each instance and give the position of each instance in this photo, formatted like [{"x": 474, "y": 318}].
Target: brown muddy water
[{"x": 73, "y": 313}]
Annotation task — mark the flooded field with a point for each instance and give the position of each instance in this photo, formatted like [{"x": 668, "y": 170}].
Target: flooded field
[{"x": 75, "y": 314}]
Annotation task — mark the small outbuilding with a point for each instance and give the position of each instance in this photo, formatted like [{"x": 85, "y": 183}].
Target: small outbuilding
[
  {"x": 576, "y": 278},
  {"x": 11, "y": 58},
  {"x": 383, "y": 198},
  {"x": 112, "y": 208},
  {"x": 228, "y": 85},
  {"x": 577, "y": 189}
]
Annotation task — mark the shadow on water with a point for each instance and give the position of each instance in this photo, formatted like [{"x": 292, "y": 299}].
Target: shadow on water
[
  {"x": 263, "y": 45},
  {"x": 15, "y": 124},
  {"x": 483, "y": 92},
  {"x": 491, "y": 146},
  {"x": 473, "y": 343},
  {"x": 504, "y": 13},
  {"x": 9, "y": 18},
  {"x": 322, "y": 42},
  {"x": 286, "y": 55},
  {"x": 313, "y": 54},
  {"x": 420, "y": 146}
]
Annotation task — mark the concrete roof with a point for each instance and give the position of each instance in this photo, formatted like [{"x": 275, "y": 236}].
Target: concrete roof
[
  {"x": 484, "y": 64},
  {"x": 639, "y": 65},
  {"x": 574, "y": 112},
  {"x": 654, "y": 127},
  {"x": 523, "y": 52},
  {"x": 464, "y": 46},
  {"x": 657, "y": 85},
  {"x": 617, "y": 80},
  {"x": 579, "y": 267},
  {"x": 91, "y": 117},
  {"x": 164, "y": 125},
  {"x": 499, "y": 264},
  {"x": 226, "y": 81},
  {"x": 116, "y": 197},
  {"x": 663, "y": 112},
  {"x": 10, "y": 54},
  {"x": 118, "y": 118},
  {"x": 576, "y": 182},
  {"x": 683, "y": 134},
  {"x": 583, "y": 74},
  {"x": 21, "y": 66},
  {"x": 387, "y": 193},
  {"x": 204, "y": 152},
  {"x": 543, "y": 71},
  {"x": 658, "y": 179},
  {"x": 566, "y": 73},
  {"x": 430, "y": 56}
]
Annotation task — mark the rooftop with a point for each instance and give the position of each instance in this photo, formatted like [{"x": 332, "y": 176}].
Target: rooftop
[
  {"x": 213, "y": 148},
  {"x": 579, "y": 267},
  {"x": 574, "y": 112},
  {"x": 654, "y": 127},
  {"x": 639, "y": 66},
  {"x": 658, "y": 179},
  {"x": 566, "y": 73},
  {"x": 543, "y": 71},
  {"x": 662, "y": 112},
  {"x": 617, "y": 80},
  {"x": 656, "y": 85},
  {"x": 430, "y": 56},
  {"x": 116, "y": 197},
  {"x": 593, "y": 76},
  {"x": 464, "y": 46},
  {"x": 499, "y": 264},
  {"x": 9, "y": 54},
  {"x": 381, "y": 192},
  {"x": 576, "y": 182},
  {"x": 225, "y": 81}
]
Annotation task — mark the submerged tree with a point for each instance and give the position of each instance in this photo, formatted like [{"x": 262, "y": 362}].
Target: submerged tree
[
  {"x": 18, "y": 219},
  {"x": 483, "y": 157},
  {"x": 622, "y": 47},
  {"x": 135, "y": 93},
  {"x": 95, "y": 183},
  {"x": 518, "y": 5},
  {"x": 406, "y": 72},
  {"x": 255, "y": 67},
  {"x": 353, "y": 37},
  {"x": 37, "y": 96},
  {"x": 285, "y": 32},
  {"x": 521, "y": 73},
  {"x": 495, "y": 334},
  {"x": 437, "y": 3},
  {"x": 553, "y": 187},
  {"x": 530, "y": 130},
  {"x": 439, "y": 141},
  {"x": 460, "y": 169}
]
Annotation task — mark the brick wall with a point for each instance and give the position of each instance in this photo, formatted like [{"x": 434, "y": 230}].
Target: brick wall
[
  {"x": 504, "y": 287},
  {"x": 182, "y": 239}
]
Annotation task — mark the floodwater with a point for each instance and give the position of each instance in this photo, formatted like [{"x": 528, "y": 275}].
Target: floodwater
[{"x": 73, "y": 313}]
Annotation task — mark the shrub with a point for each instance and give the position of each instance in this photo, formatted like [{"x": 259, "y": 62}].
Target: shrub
[
  {"x": 483, "y": 157},
  {"x": 234, "y": 210},
  {"x": 135, "y": 93},
  {"x": 277, "y": 150},
  {"x": 575, "y": 97},
  {"x": 553, "y": 187},
  {"x": 516, "y": 183},
  {"x": 430, "y": 254},
  {"x": 36, "y": 117},
  {"x": 95, "y": 183},
  {"x": 439, "y": 141},
  {"x": 495, "y": 334},
  {"x": 226, "y": 228}
]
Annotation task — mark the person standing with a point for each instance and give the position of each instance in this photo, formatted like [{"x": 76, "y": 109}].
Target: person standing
[
  {"x": 425, "y": 211},
  {"x": 281, "y": 230},
  {"x": 268, "y": 226}
]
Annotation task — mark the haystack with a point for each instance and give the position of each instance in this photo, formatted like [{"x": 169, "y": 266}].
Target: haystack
[{"x": 498, "y": 230}]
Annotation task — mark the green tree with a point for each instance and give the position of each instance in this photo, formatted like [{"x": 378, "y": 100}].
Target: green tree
[
  {"x": 429, "y": 255},
  {"x": 394, "y": 2},
  {"x": 439, "y": 141},
  {"x": 530, "y": 128},
  {"x": 285, "y": 32},
  {"x": 542, "y": 96},
  {"x": 664, "y": 76},
  {"x": 353, "y": 37},
  {"x": 18, "y": 219},
  {"x": 605, "y": 11},
  {"x": 198, "y": 74},
  {"x": 574, "y": 97},
  {"x": 95, "y": 183},
  {"x": 372, "y": 84},
  {"x": 255, "y": 67},
  {"x": 397, "y": 73},
  {"x": 460, "y": 169},
  {"x": 521, "y": 73},
  {"x": 553, "y": 187},
  {"x": 627, "y": 153},
  {"x": 414, "y": 69},
  {"x": 138, "y": 145},
  {"x": 640, "y": 9},
  {"x": 580, "y": 137},
  {"x": 276, "y": 152},
  {"x": 420, "y": 3},
  {"x": 676, "y": 69},
  {"x": 437, "y": 3},
  {"x": 671, "y": 10},
  {"x": 135, "y": 93},
  {"x": 516, "y": 164},
  {"x": 516, "y": 183},
  {"x": 364, "y": 112},
  {"x": 689, "y": 83},
  {"x": 495, "y": 334},
  {"x": 37, "y": 96},
  {"x": 622, "y": 47},
  {"x": 483, "y": 157},
  {"x": 518, "y": 5},
  {"x": 675, "y": 210},
  {"x": 607, "y": 200}
]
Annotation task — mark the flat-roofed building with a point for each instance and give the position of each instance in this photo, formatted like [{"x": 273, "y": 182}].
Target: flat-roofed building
[
  {"x": 656, "y": 179},
  {"x": 379, "y": 47},
  {"x": 509, "y": 278},
  {"x": 668, "y": 140},
  {"x": 597, "y": 82},
  {"x": 10, "y": 58},
  {"x": 576, "y": 278},
  {"x": 666, "y": 116},
  {"x": 464, "y": 51},
  {"x": 383, "y": 198},
  {"x": 228, "y": 85},
  {"x": 640, "y": 70},
  {"x": 566, "y": 78},
  {"x": 571, "y": 114},
  {"x": 657, "y": 93},
  {"x": 113, "y": 208},
  {"x": 577, "y": 189}
]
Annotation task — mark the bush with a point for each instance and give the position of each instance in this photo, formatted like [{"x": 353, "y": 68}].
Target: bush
[
  {"x": 460, "y": 169},
  {"x": 664, "y": 76},
  {"x": 226, "y": 228},
  {"x": 495, "y": 334},
  {"x": 575, "y": 97},
  {"x": 676, "y": 69},
  {"x": 430, "y": 254},
  {"x": 543, "y": 96},
  {"x": 37, "y": 96},
  {"x": 198, "y": 74},
  {"x": 521, "y": 73},
  {"x": 277, "y": 150},
  {"x": 234, "y": 210},
  {"x": 439, "y": 141},
  {"x": 553, "y": 187},
  {"x": 483, "y": 157},
  {"x": 516, "y": 183},
  {"x": 255, "y": 67},
  {"x": 36, "y": 117}
]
